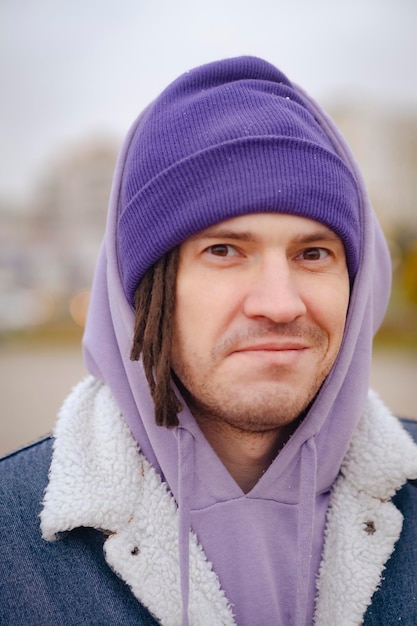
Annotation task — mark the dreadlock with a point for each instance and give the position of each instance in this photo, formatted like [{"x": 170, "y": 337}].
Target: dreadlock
[{"x": 154, "y": 306}]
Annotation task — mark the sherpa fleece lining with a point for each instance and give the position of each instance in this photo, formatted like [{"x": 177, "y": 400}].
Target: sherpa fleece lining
[{"x": 100, "y": 479}]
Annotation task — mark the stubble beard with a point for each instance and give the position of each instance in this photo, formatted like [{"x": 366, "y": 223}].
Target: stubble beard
[
  {"x": 245, "y": 409},
  {"x": 258, "y": 406}
]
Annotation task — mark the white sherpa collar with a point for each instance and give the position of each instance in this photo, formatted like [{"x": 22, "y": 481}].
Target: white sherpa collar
[
  {"x": 362, "y": 524},
  {"x": 100, "y": 479}
]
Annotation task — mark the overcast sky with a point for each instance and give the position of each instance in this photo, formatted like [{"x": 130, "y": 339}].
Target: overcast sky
[{"x": 77, "y": 68}]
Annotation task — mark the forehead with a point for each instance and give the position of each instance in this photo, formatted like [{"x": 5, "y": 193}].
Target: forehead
[{"x": 267, "y": 226}]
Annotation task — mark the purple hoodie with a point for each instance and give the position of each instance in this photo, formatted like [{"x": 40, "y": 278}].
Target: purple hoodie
[{"x": 265, "y": 546}]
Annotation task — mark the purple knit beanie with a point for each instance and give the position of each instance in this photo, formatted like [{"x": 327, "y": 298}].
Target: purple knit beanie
[{"x": 227, "y": 139}]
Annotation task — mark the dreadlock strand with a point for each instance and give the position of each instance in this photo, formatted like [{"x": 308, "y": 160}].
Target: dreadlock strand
[
  {"x": 142, "y": 305},
  {"x": 152, "y": 336},
  {"x": 154, "y": 304},
  {"x": 167, "y": 405}
]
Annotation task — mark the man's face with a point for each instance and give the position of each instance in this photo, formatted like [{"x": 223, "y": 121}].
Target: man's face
[{"x": 260, "y": 310}]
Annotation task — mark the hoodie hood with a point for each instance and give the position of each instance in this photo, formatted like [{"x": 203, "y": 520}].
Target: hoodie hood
[{"x": 265, "y": 546}]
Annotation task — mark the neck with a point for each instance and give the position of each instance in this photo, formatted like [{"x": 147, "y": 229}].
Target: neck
[{"x": 246, "y": 455}]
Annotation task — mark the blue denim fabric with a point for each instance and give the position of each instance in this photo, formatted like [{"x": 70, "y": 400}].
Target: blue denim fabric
[
  {"x": 395, "y": 602},
  {"x": 50, "y": 584},
  {"x": 68, "y": 582}
]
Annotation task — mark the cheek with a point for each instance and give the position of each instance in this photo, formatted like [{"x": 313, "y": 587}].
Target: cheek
[
  {"x": 337, "y": 319},
  {"x": 203, "y": 315},
  {"x": 205, "y": 302},
  {"x": 328, "y": 306},
  {"x": 192, "y": 315}
]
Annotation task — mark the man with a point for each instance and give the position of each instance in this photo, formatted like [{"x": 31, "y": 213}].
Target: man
[{"x": 225, "y": 463}]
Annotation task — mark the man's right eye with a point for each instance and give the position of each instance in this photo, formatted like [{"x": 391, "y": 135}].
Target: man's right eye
[{"x": 222, "y": 249}]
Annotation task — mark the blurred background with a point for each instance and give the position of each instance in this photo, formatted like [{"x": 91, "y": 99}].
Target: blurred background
[{"x": 74, "y": 76}]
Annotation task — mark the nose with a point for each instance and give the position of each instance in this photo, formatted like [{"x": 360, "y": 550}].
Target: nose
[{"x": 275, "y": 293}]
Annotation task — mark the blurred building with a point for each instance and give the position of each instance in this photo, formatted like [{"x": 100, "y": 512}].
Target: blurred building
[
  {"x": 49, "y": 250},
  {"x": 385, "y": 146},
  {"x": 18, "y": 304},
  {"x": 70, "y": 207}
]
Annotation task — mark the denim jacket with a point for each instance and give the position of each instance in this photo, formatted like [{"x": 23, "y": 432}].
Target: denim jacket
[{"x": 69, "y": 581}]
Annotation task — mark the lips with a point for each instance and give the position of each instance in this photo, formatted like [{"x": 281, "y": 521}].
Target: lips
[
  {"x": 267, "y": 356},
  {"x": 272, "y": 346}
]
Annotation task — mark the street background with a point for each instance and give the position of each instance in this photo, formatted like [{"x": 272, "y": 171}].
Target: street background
[{"x": 74, "y": 75}]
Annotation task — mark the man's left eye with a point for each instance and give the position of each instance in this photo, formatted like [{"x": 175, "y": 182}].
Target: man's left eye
[
  {"x": 222, "y": 249},
  {"x": 314, "y": 254}
]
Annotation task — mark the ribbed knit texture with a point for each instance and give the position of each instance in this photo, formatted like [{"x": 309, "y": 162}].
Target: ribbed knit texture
[{"x": 227, "y": 139}]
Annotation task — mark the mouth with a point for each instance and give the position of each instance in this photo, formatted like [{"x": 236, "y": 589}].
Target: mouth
[
  {"x": 272, "y": 346},
  {"x": 284, "y": 354}
]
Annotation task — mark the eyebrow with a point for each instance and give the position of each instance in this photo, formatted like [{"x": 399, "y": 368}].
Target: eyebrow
[
  {"x": 322, "y": 233},
  {"x": 224, "y": 233}
]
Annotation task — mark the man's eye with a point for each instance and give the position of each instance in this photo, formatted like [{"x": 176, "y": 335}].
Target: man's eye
[
  {"x": 314, "y": 254},
  {"x": 222, "y": 249}
]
